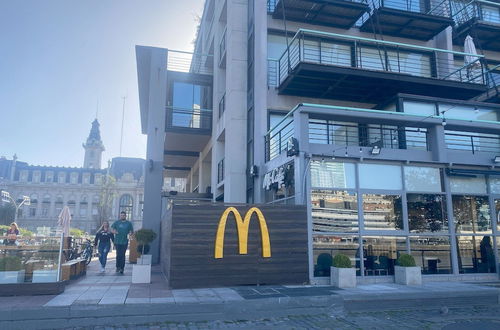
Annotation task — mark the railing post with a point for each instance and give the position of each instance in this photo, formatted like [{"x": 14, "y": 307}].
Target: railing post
[{"x": 472, "y": 143}]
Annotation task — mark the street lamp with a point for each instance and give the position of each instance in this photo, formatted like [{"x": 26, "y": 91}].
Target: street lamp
[{"x": 5, "y": 196}]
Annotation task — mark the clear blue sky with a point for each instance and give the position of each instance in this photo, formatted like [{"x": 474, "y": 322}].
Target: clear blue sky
[{"x": 59, "y": 57}]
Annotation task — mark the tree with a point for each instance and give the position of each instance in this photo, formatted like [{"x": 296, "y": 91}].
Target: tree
[
  {"x": 107, "y": 194},
  {"x": 7, "y": 212}
]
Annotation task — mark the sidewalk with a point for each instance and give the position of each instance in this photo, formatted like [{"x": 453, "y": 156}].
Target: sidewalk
[{"x": 102, "y": 299}]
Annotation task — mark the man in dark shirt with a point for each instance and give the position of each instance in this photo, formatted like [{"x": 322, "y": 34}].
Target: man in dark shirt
[{"x": 121, "y": 228}]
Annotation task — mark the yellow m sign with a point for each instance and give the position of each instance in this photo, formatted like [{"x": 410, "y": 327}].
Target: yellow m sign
[{"x": 242, "y": 226}]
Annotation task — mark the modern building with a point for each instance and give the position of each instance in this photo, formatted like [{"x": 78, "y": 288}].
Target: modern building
[
  {"x": 50, "y": 188},
  {"x": 382, "y": 116}
]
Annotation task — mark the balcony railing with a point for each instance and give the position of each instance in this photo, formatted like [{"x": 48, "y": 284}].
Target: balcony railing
[
  {"x": 178, "y": 117},
  {"x": 222, "y": 50},
  {"x": 272, "y": 72},
  {"x": 271, "y": 4},
  {"x": 367, "y": 135},
  {"x": 277, "y": 137},
  {"x": 377, "y": 55},
  {"x": 439, "y": 8},
  {"x": 473, "y": 142},
  {"x": 188, "y": 62},
  {"x": 464, "y": 11}
]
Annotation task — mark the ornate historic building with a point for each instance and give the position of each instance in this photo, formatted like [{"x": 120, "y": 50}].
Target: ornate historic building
[{"x": 50, "y": 188}]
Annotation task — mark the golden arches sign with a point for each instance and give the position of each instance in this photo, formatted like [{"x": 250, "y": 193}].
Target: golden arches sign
[{"x": 242, "y": 226}]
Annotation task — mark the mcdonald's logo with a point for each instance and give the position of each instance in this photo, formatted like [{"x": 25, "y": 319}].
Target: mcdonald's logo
[{"x": 242, "y": 227}]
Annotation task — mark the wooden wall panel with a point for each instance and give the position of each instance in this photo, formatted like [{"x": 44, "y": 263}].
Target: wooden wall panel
[{"x": 188, "y": 247}]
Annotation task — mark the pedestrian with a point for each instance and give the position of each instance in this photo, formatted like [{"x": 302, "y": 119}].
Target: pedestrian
[
  {"x": 103, "y": 240},
  {"x": 12, "y": 233},
  {"x": 121, "y": 228}
]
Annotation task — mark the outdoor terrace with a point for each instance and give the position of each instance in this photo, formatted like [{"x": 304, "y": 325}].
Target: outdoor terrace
[
  {"x": 330, "y": 65},
  {"x": 420, "y": 20},
  {"x": 478, "y": 18},
  {"x": 336, "y": 13}
]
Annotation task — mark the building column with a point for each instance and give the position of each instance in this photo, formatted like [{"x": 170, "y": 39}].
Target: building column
[{"x": 155, "y": 143}]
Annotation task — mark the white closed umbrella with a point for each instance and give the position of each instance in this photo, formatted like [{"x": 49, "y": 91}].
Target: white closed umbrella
[
  {"x": 65, "y": 220},
  {"x": 470, "y": 48}
]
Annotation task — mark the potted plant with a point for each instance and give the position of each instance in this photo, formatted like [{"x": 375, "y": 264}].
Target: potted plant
[
  {"x": 406, "y": 272},
  {"x": 342, "y": 275},
  {"x": 11, "y": 270},
  {"x": 141, "y": 272}
]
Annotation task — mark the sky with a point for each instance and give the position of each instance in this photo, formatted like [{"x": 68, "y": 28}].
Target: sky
[{"x": 61, "y": 61}]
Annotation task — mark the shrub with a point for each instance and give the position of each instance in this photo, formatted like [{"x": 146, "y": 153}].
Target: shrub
[
  {"x": 406, "y": 260},
  {"x": 144, "y": 237},
  {"x": 23, "y": 232},
  {"x": 10, "y": 263},
  {"x": 342, "y": 261},
  {"x": 75, "y": 232}
]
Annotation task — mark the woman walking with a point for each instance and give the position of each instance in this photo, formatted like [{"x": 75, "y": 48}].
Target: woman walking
[{"x": 103, "y": 240}]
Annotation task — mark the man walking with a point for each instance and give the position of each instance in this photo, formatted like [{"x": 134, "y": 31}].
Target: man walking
[{"x": 121, "y": 228}]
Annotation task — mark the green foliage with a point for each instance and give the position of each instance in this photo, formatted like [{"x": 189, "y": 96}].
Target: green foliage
[
  {"x": 144, "y": 236},
  {"x": 75, "y": 232},
  {"x": 406, "y": 260},
  {"x": 7, "y": 213},
  {"x": 342, "y": 261},
  {"x": 23, "y": 232},
  {"x": 10, "y": 263}
]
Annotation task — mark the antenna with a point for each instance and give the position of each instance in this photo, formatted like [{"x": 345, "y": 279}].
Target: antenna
[
  {"x": 97, "y": 108},
  {"x": 123, "y": 117}
]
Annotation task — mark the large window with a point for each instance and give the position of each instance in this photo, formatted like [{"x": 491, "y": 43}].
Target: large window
[
  {"x": 381, "y": 252},
  {"x": 334, "y": 211},
  {"x": 326, "y": 247},
  {"x": 427, "y": 213},
  {"x": 126, "y": 205},
  {"x": 422, "y": 179},
  {"x": 471, "y": 214},
  {"x": 382, "y": 212},
  {"x": 432, "y": 253},
  {"x": 475, "y": 254},
  {"x": 374, "y": 176},
  {"x": 326, "y": 174},
  {"x": 190, "y": 105}
]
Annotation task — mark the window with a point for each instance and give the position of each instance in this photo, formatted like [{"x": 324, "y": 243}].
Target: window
[
  {"x": 74, "y": 178},
  {"x": 334, "y": 211},
  {"x": 98, "y": 178},
  {"x": 327, "y": 174},
  {"x": 422, "y": 179},
  {"x": 419, "y": 108},
  {"x": 381, "y": 253},
  {"x": 471, "y": 214},
  {"x": 325, "y": 247},
  {"x": 190, "y": 102},
  {"x": 86, "y": 178},
  {"x": 126, "y": 205},
  {"x": 427, "y": 213},
  {"x": 62, "y": 177},
  {"x": 23, "y": 177},
  {"x": 49, "y": 176},
  {"x": 432, "y": 254},
  {"x": 36, "y": 176},
  {"x": 32, "y": 212},
  {"x": 382, "y": 212},
  {"x": 475, "y": 185},
  {"x": 475, "y": 254},
  {"x": 83, "y": 211},
  {"x": 374, "y": 176}
]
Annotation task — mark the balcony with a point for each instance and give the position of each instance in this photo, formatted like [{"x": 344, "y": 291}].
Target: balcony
[
  {"x": 480, "y": 19},
  {"x": 336, "y": 13},
  {"x": 188, "y": 120},
  {"x": 357, "y": 133},
  {"x": 407, "y": 18},
  {"x": 335, "y": 66}
]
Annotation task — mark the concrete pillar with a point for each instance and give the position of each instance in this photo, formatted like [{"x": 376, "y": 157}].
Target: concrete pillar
[
  {"x": 156, "y": 140},
  {"x": 437, "y": 143},
  {"x": 236, "y": 105}
]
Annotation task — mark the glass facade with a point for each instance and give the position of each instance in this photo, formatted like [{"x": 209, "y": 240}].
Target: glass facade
[{"x": 374, "y": 212}]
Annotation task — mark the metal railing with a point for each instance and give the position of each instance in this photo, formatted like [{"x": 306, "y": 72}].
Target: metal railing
[
  {"x": 178, "y": 117},
  {"x": 464, "y": 11},
  {"x": 272, "y": 72},
  {"x": 473, "y": 142},
  {"x": 309, "y": 46},
  {"x": 182, "y": 61},
  {"x": 271, "y": 4},
  {"x": 276, "y": 139},
  {"x": 435, "y": 8},
  {"x": 367, "y": 135},
  {"x": 222, "y": 49},
  {"x": 220, "y": 171},
  {"x": 222, "y": 105}
]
